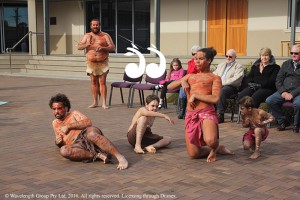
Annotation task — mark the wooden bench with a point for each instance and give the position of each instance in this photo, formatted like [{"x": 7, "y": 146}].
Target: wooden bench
[{"x": 287, "y": 43}]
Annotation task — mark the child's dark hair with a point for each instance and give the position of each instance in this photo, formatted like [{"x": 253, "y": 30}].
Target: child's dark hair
[
  {"x": 210, "y": 53},
  {"x": 151, "y": 97},
  {"x": 60, "y": 98},
  {"x": 247, "y": 102}
]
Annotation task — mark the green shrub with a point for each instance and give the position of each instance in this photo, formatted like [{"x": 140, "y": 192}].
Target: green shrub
[
  {"x": 173, "y": 98},
  {"x": 247, "y": 68}
]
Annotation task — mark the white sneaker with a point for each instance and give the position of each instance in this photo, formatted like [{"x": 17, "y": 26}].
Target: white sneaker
[{"x": 160, "y": 106}]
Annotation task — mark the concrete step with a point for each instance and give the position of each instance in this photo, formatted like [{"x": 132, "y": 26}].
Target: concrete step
[
  {"x": 63, "y": 74},
  {"x": 11, "y": 70},
  {"x": 68, "y": 69},
  {"x": 13, "y": 66},
  {"x": 74, "y": 66},
  {"x": 14, "y": 63}
]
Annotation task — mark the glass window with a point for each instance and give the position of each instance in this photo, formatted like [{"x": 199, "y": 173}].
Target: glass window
[
  {"x": 108, "y": 18},
  {"x": 141, "y": 25},
  {"x": 126, "y": 21},
  {"x": 92, "y": 12},
  {"x": 124, "y": 25},
  {"x": 297, "y": 13},
  {"x": 15, "y": 26}
]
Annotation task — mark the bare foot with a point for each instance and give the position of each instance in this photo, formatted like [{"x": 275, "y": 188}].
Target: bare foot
[
  {"x": 139, "y": 150},
  {"x": 211, "y": 157},
  {"x": 255, "y": 155},
  {"x": 123, "y": 163},
  {"x": 251, "y": 149},
  {"x": 150, "y": 149},
  {"x": 224, "y": 151},
  {"x": 105, "y": 107},
  {"x": 104, "y": 157},
  {"x": 94, "y": 105}
]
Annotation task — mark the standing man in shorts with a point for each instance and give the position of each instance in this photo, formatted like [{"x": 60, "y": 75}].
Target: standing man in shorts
[{"x": 98, "y": 44}]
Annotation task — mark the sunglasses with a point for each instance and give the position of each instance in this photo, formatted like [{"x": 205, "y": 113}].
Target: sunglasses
[
  {"x": 228, "y": 56},
  {"x": 295, "y": 53}
]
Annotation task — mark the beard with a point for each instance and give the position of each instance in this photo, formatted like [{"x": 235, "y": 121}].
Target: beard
[
  {"x": 60, "y": 117},
  {"x": 96, "y": 30}
]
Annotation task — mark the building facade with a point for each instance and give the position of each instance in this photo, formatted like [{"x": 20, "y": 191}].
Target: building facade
[{"x": 172, "y": 25}]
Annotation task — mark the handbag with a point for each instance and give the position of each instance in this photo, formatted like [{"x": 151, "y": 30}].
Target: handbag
[{"x": 254, "y": 86}]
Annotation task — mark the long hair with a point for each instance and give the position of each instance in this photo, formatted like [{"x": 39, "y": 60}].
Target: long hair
[{"x": 175, "y": 60}]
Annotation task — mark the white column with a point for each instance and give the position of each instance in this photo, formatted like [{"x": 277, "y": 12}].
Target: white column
[{"x": 32, "y": 26}]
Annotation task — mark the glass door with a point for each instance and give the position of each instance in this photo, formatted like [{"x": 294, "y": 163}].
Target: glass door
[
  {"x": 2, "y": 47},
  {"x": 142, "y": 25},
  {"x": 14, "y": 25},
  {"x": 124, "y": 27},
  {"x": 108, "y": 18},
  {"x": 126, "y": 21}
]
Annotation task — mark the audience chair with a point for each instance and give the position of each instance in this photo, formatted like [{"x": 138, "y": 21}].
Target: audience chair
[
  {"x": 148, "y": 85},
  {"x": 288, "y": 104},
  {"x": 234, "y": 99},
  {"x": 127, "y": 83},
  {"x": 235, "y": 107}
]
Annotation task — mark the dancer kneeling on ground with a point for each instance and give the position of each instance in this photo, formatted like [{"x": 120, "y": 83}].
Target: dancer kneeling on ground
[
  {"x": 139, "y": 133},
  {"x": 256, "y": 119},
  {"x": 77, "y": 138},
  {"x": 201, "y": 122}
]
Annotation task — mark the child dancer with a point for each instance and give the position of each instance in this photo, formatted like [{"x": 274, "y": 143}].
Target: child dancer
[
  {"x": 174, "y": 73},
  {"x": 139, "y": 133},
  {"x": 256, "y": 119}
]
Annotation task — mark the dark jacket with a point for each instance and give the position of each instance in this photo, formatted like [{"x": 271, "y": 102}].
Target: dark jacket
[
  {"x": 267, "y": 78},
  {"x": 288, "y": 79}
]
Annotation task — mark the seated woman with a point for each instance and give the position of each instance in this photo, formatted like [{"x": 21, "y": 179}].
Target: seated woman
[
  {"x": 201, "y": 123},
  {"x": 191, "y": 69},
  {"x": 261, "y": 78}
]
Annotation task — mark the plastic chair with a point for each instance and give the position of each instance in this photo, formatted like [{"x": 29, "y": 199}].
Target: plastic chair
[
  {"x": 149, "y": 85},
  {"x": 234, "y": 97},
  {"x": 127, "y": 83}
]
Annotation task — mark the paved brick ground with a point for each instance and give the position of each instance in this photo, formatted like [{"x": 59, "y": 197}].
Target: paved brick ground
[{"x": 31, "y": 167}]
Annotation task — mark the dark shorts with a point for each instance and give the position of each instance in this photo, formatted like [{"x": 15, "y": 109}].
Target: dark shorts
[
  {"x": 82, "y": 142},
  {"x": 148, "y": 139}
]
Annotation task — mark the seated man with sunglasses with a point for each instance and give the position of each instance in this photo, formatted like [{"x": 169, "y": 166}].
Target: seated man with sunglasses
[
  {"x": 231, "y": 73},
  {"x": 288, "y": 89}
]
